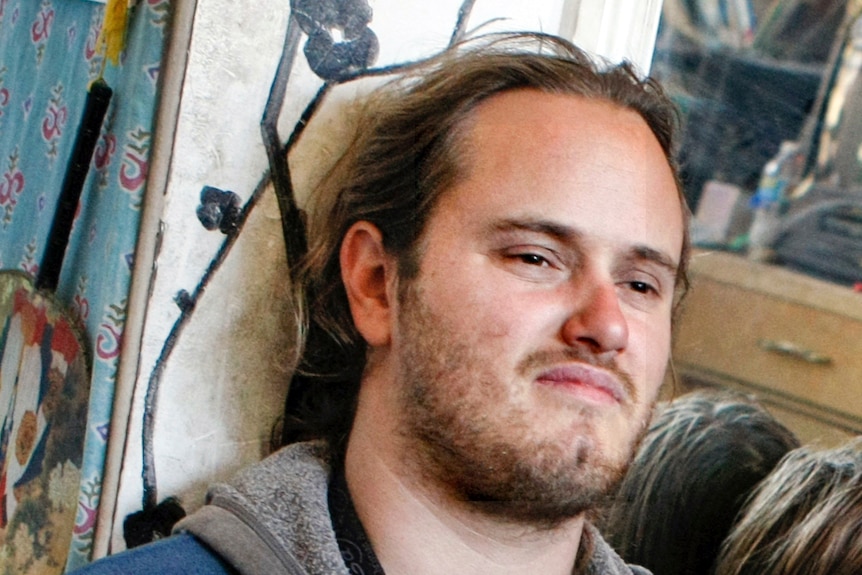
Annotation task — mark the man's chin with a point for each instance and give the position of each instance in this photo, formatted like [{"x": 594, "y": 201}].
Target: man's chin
[
  {"x": 543, "y": 488},
  {"x": 541, "y": 517},
  {"x": 550, "y": 509}
]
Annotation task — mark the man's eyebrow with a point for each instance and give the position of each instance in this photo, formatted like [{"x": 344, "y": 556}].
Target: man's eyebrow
[
  {"x": 646, "y": 253},
  {"x": 540, "y": 226}
]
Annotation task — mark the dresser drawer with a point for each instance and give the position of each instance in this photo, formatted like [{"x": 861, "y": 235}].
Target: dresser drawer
[{"x": 792, "y": 349}]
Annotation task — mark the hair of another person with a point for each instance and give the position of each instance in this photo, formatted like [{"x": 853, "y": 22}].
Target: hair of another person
[
  {"x": 703, "y": 454},
  {"x": 408, "y": 149},
  {"x": 804, "y": 519}
]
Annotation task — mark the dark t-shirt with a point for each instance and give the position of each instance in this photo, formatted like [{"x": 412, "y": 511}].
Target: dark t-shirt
[{"x": 352, "y": 539}]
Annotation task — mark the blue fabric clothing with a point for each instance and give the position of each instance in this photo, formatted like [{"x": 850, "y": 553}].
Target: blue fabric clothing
[{"x": 181, "y": 553}]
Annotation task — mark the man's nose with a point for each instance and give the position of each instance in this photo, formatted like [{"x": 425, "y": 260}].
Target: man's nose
[{"x": 597, "y": 321}]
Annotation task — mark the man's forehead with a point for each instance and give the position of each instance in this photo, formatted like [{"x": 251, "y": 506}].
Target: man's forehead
[
  {"x": 570, "y": 157},
  {"x": 561, "y": 127},
  {"x": 535, "y": 109}
]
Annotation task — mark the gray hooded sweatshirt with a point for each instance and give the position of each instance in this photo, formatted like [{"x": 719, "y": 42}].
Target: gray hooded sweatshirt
[{"x": 274, "y": 518}]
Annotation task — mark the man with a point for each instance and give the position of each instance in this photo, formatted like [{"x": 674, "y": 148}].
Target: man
[{"x": 493, "y": 267}]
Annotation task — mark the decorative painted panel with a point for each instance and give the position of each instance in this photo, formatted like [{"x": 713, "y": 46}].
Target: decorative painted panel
[{"x": 48, "y": 57}]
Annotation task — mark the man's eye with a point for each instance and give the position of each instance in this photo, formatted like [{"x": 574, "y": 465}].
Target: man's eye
[
  {"x": 532, "y": 259},
  {"x": 536, "y": 263},
  {"x": 643, "y": 287}
]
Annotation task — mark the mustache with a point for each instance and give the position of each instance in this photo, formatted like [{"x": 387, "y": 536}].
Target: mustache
[{"x": 544, "y": 359}]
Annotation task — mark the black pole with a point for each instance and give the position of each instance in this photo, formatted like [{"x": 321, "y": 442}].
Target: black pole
[{"x": 95, "y": 108}]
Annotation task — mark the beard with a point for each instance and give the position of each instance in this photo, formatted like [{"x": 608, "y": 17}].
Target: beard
[{"x": 481, "y": 447}]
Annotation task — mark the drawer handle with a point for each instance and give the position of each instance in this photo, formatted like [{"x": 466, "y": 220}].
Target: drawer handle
[{"x": 788, "y": 348}]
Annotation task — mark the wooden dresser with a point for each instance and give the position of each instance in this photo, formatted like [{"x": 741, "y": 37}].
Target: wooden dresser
[{"x": 793, "y": 341}]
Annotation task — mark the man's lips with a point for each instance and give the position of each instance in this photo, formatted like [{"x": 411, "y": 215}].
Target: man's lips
[{"x": 584, "y": 376}]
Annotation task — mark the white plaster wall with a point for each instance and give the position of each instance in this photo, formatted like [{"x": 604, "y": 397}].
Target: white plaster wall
[
  {"x": 225, "y": 382},
  {"x": 618, "y": 29}
]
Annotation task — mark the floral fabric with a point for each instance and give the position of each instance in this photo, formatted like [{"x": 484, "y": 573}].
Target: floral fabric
[{"x": 48, "y": 57}]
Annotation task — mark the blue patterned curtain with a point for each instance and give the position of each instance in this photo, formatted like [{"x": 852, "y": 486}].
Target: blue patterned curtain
[{"x": 48, "y": 58}]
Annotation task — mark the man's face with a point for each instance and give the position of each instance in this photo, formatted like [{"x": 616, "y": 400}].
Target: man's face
[{"x": 531, "y": 346}]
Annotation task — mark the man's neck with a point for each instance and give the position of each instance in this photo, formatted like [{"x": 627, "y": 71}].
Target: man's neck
[{"x": 416, "y": 529}]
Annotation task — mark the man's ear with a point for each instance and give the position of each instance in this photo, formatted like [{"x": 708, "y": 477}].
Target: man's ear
[{"x": 367, "y": 270}]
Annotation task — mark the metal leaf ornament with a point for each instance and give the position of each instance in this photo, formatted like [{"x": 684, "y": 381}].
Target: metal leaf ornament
[{"x": 339, "y": 39}]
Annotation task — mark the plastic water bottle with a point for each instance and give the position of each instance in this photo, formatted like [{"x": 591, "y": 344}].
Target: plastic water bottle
[{"x": 769, "y": 201}]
